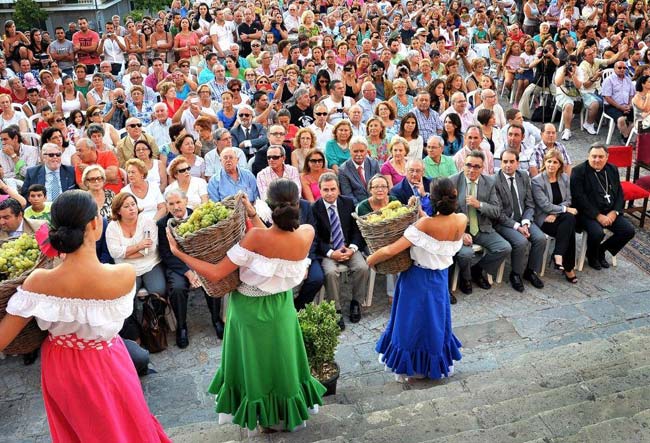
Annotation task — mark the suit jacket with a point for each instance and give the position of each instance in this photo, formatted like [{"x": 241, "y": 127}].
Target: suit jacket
[
  {"x": 586, "y": 191},
  {"x": 403, "y": 190},
  {"x": 30, "y": 226},
  {"x": 525, "y": 194},
  {"x": 486, "y": 194},
  {"x": 124, "y": 148},
  {"x": 351, "y": 233},
  {"x": 307, "y": 218},
  {"x": 36, "y": 174},
  {"x": 351, "y": 184},
  {"x": 171, "y": 262},
  {"x": 543, "y": 196},
  {"x": 257, "y": 137}
]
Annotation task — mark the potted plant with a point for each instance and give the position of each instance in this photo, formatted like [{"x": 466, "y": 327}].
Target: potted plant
[{"x": 320, "y": 332}]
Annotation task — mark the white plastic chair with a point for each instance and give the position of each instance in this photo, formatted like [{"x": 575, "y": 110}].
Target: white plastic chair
[
  {"x": 612, "y": 123},
  {"x": 31, "y": 138},
  {"x": 477, "y": 249},
  {"x": 33, "y": 121},
  {"x": 583, "y": 250}
]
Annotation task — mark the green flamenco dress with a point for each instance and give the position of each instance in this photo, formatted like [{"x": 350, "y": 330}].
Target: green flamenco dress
[{"x": 264, "y": 377}]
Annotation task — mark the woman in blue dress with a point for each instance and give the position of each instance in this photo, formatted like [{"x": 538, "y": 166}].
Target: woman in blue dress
[{"x": 418, "y": 341}]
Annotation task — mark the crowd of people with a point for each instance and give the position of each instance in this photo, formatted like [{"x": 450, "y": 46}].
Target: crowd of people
[{"x": 358, "y": 104}]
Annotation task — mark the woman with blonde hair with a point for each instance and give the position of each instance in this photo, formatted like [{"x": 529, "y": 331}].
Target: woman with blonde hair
[
  {"x": 303, "y": 142},
  {"x": 337, "y": 150},
  {"x": 308, "y": 28},
  {"x": 196, "y": 189},
  {"x": 147, "y": 194},
  {"x": 388, "y": 115},
  {"x": 395, "y": 168},
  {"x": 377, "y": 139},
  {"x": 401, "y": 100}
]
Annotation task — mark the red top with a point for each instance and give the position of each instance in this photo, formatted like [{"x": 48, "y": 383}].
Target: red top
[{"x": 104, "y": 159}]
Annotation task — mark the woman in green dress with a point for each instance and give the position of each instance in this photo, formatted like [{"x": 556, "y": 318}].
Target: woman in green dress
[{"x": 264, "y": 379}]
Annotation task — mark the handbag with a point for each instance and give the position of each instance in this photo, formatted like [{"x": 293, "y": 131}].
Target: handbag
[{"x": 154, "y": 324}]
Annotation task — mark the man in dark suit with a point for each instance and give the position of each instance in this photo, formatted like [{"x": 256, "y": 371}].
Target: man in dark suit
[
  {"x": 56, "y": 178},
  {"x": 356, "y": 172},
  {"x": 314, "y": 280},
  {"x": 180, "y": 278},
  {"x": 515, "y": 221},
  {"x": 598, "y": 196},
  {"x": 416, "y": 184},
  {"x": 339, "y": 244},
  {"x": 248, "y": 136},
  {"x": 478, "y": 200},
  {"x": 275, "y": 138}
]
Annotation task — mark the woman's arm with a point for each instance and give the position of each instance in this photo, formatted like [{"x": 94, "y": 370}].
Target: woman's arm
[
  {"x": 10, "y": 327},
  {"x": 306, "y": 190},
  {"x": 389, "y": 251}
]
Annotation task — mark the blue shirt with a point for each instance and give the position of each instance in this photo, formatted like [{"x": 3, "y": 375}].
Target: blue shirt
[
  {"x": 144, "y": 115},
  {"x": 222, "y": 185}
]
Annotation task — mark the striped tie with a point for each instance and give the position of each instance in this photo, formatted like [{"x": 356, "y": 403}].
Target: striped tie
[
  {"x": 473, "y": 216},
  {"x": 337, "y": 232},
  {"x": 55, "y": 186}
]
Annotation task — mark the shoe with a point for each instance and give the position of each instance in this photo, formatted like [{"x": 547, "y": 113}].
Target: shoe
[
  {"x": 452, "y": 299},
  {"x": 219, "y": 327},
  {"x": 566, "y": 134},
  {"x": 182, "y": 341},
  {"x": 355, "y": 311},
  {"x": 515, "y": 281},
  {"x": 481, "y": 281},
  {"x": 465, "y": 286},
  {"x": 589, "y": 127},
  {"x": 603, "y": 262},
  {"x": 571, "y": 279},
  {"x": 593, "y": 263},
  {"x": 533, "y": 278},
  {"x": 341, "y": 322},
  {"x": 558, "y": 266},
  {"x": 29, "y": 359}
]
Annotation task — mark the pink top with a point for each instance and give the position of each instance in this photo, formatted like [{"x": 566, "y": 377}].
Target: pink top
[
  {"x": 388, "y": 169},
  {"x": 315, "y": 190}
]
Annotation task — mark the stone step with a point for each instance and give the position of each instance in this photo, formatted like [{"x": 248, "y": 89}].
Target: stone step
[{"x": 621, "y": 429}]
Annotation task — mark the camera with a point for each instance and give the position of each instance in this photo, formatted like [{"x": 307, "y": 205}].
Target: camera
[
  {"x": 462, "y": 50},
  {"x": 545, "y": 52},
  {"x": 119, "y": 100},
  {"x": 339, "y": 109},
  {"x": 569, "y": 69}
]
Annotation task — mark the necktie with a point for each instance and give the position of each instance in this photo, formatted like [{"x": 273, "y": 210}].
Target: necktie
[
  {"x": 55, "y": 186},
  {"x": 361, "y": 176},
  {"x": 473, "y": 215},
  {"x": 246, "y": 134},
  {"x": 516, "y": 210},
  {"x": 335, "y": 226},
  {"x": 416, "y": 191}
]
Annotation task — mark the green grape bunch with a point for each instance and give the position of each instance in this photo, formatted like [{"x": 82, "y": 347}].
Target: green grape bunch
[
  {"x": 205, "y": 215},
  {"x": 18, "y": 256},
  {"x": 392, "y": 210}
]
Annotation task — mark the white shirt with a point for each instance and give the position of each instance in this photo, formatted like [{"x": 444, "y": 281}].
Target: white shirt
[
  {"x": 148, "y": 204},
  {"x": 112, "y": 51},
  {"x": 117, "y": 244},
  {"x": 159, "y": 131},
  {"x": 322, "y": 135},
  {"x": 197, "y": 189},
  {"x": 224, "y": 35}
]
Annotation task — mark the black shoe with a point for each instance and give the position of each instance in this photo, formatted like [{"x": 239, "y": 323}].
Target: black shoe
[
  {"x": 515, "y": 281},
  {"x": 533, "y": 278},
  {"x": 219, "y": 328},
  {"x": 465, "y": 286},
  {"x": 594, "y": 264},
  {"x": 481, "y": 281},
  {"x": 452, "y": 299},
  {"x": 29, "y": 359},
  {"x": 355, "y": 311},
  {"x": 603, "y": 262},
  {"x": 341, "y": 322},
  {"x": 182, "y": 341}
]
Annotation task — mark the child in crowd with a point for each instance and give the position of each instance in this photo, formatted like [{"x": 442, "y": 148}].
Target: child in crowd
[{"x": 39, "y": 208}]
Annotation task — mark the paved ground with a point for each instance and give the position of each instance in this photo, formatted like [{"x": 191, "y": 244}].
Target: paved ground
[{"x": 495, "y": 327}]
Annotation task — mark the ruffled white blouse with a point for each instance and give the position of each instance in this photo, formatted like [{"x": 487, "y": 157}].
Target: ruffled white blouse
[
  {"x": 428, "y": 252},
  {"x": 89, "y": 319},
  {"x": 269, "y": 275}
]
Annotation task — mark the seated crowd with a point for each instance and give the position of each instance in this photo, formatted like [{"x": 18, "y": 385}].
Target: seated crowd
[{"x": 357, "y": 116}]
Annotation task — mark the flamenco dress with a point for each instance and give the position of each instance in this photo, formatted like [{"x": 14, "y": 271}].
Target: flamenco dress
[
  {"x": 90, "y": 387},
  {"x": 264, "y": 378},
  {"x": 418, "y": 340}
]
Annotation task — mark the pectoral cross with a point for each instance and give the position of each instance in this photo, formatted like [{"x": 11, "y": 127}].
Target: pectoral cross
[{"x": 608, "y": 198}]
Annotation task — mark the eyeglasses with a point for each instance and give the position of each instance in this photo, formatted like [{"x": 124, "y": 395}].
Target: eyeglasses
[
  {"x": 183, "y": 170},
  {"x": 236, "y": 89},
  {"x": 244, "y": 115},
  {"x": 255, "y": 46},
  {"x": 52, "y": 154},
  {"x": 322, "y": 114},
  {"x": 415, "y": 171},
  {"x": 316, "y": 160},
  {"x": 94, "y": 179},
  {"x": 142, "y": 150},
  {"x": 620, "y": 67},
  {"x": 473, "y": 166},
  {"x": 59, "y": 120},
  {"x": 379, "y": 187},
  {"x": 135, "y": 125},
  {"x": 277, "y": 134},
  {"x": 274, "y": 157},
  {"x": 433, "y": 147}
]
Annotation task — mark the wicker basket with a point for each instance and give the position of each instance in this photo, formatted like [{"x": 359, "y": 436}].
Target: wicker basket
[
  {"x": 378, "y": 235},
  {"x": 31, "y": 337},
  {"x": 211, "y": 244}
]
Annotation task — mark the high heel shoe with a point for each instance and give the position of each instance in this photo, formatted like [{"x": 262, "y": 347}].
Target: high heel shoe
[
  {"x": 571, "y": 279},
  {"x": 558, "y": 266}
]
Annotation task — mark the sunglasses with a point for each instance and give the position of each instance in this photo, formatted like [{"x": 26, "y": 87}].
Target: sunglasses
[
  {"x": 59, "y": 120},
  {"x": 316, "y": 160},
  {"x": 273, "y": 157},
  {"x": 52, "y": 154},
  {"x": 245, "y": 115},
  {"x": 184, "y": 66},
  {"x": 277, "y": 134},
  {"x": 235, "y": 89},
  {"x": 263, "y": 83},
  {"x": 135, "y": 125},
  {"x": 183, "y": 170},
  {"x": 94, "y": 179},
  {"x": 320, "y": 113}
]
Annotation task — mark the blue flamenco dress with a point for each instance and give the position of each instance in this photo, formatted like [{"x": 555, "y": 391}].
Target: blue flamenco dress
[{"x": 418, "y": 340}]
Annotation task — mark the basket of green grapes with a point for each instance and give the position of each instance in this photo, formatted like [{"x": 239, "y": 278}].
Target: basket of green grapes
[
  {"x": 209, "y": 232},
  {"x": 18, "y": 258},
  {"x": 384, "y": 226}
]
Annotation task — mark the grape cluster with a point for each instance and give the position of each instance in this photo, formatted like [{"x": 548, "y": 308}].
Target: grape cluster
[
  {"x": 393, "y": 209},
  {"x": 18, "y": 256},
  {"x": 203, "y": 216}
]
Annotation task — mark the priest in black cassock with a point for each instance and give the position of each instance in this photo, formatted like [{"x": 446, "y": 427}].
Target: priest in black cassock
[{"x": 598, "y": 196}]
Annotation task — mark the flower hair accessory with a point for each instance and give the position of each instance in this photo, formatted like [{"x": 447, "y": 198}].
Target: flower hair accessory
[{"x": 43, "y": 238}]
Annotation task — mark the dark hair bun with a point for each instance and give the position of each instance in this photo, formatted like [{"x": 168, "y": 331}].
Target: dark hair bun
[
  {"x": 444, "y": 196},
  {"x": 286, "y": 216},
  {"x": 283, "y": 199},
  {"x": 66, "y": 239}
]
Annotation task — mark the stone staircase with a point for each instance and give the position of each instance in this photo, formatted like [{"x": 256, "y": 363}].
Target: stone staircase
[{"x": 592, "y": 391}]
